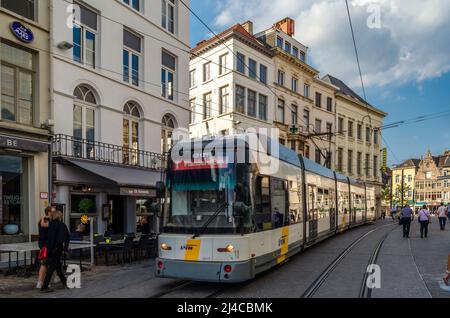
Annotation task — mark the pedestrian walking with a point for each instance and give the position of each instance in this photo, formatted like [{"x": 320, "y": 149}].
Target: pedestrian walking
[
  {"x": 43, "y": 245},
  {"x": 406, "y": 216},
  {"x": 442, "y": 215},
  {"x": 394, "y": 212},
  {"x": 424, "y": 220},
  {"x": 58, "y": 242}
]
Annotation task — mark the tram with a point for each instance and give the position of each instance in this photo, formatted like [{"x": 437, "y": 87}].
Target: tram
[{"x": 228, "y": 220}]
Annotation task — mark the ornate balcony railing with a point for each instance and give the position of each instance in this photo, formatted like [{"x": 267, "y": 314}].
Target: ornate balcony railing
[{"x": 76, "y": 148}]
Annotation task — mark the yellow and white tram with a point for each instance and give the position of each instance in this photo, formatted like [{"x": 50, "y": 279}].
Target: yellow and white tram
[{"x": 228, "y": 220}]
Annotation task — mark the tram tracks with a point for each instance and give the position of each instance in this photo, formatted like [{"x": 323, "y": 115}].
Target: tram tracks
[
  {"x": 179, "y": 286},
  {"x": 365, "y": 292},
  {"x": 193, "y": 288}
]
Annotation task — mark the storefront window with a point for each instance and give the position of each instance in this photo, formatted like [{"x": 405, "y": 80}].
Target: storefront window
[
  {"x": 144, "y": 216},
  {"x": 81, "y": 204},
  {"x": 13, "y": 187}
]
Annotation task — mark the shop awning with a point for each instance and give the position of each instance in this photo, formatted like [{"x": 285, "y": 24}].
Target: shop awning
[{"x": 123, "y": 176}]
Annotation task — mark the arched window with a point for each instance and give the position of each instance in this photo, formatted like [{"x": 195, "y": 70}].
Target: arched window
[
  {"x": 84, "y": 121},
  {"x": 131, "y": 133},
  {"x": 169, "y": 123}
]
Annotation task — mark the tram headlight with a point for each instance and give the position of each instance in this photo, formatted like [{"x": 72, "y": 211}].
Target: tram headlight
[
  {"x": 228, "y": 249},
  {"x": 166, "y": 247}
]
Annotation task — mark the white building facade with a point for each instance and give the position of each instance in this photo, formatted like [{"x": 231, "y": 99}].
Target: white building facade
[
  {"x": 120, "y": 87},
  {"x": 305, "y": 105},
  {"x": 228, "y": 84}
]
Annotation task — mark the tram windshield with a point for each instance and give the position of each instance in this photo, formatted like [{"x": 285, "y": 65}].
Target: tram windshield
[{"x": 202, "y": 197}]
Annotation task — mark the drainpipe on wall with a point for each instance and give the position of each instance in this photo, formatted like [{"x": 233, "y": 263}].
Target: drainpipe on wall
[{"x": 51, "y": 104}]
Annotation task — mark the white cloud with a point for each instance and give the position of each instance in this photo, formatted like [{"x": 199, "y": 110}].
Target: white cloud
[{"x": 412, "y": 45}]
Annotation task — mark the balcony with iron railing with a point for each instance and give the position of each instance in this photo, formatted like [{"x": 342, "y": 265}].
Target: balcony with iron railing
[{"x": 65, "y": 146}]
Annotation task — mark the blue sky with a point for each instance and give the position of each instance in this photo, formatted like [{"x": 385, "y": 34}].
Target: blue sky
[{"x": 405, "y": 62}]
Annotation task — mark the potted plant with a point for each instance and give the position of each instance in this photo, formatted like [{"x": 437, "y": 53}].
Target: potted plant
[{"x": 85, "y": 206}]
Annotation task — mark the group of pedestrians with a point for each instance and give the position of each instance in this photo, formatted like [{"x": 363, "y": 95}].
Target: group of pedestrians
[
  {"x": 424, "y": 218},
  {"x": 53, "y": 242}
]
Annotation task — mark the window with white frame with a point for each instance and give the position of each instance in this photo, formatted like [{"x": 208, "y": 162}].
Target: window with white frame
[
  {"x": 251, "y": 103},
  {"x": 131, "y": 57},
  {"x": 17, "y": 84},
  {"x": 192, "y": 79},
  {"x": 240, "y": 63},
  {"x": 280, "y": 41},
  {"x": 294, "y": 114},
  {"x": 262, "y": 107},
  {"x": 306, "y": 89},
  {"x": 168, "y": 71},
  {"x": 303, "y": 56},
  {"x": 135, "y": 4},
  {"x": 294, "y": 84},
  {"x": 252, "y": 65},
  {"x": 207, "y": 98},
  {"x": 280, "y": 110},
  {"x": 206, "y": 72},
  {"x": 168, "y": 15},
  {"x": 240, "y": 99},
  {"x": 130, "y": 127},
  {"x": 223, "y": 64},
  {"x": 192, "y": 113},
  {"x": 84, "y": 36},
  {"x": 224, "y": 100},
  {"x": 263, "y": 73},
  {"x": 287, "y": 47},
  {"x": 84, "y": 122},
  {"x": 281, "y": 75}
]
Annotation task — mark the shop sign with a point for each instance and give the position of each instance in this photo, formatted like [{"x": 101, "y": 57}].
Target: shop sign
[
  {"x": 137, "y": 192},
  {"x": 21, "y": 32},
  {"x": 43, "y": 195},
  {"x": 22, "y": 144}
]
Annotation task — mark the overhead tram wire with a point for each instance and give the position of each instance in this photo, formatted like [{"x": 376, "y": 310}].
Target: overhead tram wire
[
  {"x": 393, "y": 125},
  {"x": 356, "y": 50},
  {"x": 419, "y": 119},
  {"x": 246, "y": 66},
  {"x": 70, "y": 60},
  {"x": 198, "y": 56},
  {"x": 189, "y": 52}
]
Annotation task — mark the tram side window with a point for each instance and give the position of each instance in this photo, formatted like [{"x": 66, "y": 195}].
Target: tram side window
[
  {"x": 323, "y": 202},
  {"x": 263, "y": 216},
  {"x": 295, "y": 215},
  {"x": 343, "y": 202},
  {"x": 279, "y": 202},
  {"x": 332, "y": 202},
  {"x": 311, "y": 203}
]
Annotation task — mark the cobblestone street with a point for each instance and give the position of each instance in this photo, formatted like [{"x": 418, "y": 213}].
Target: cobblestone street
[{"x": 410, "y": 268}]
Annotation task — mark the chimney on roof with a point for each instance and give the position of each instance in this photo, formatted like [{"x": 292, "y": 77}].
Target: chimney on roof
[
  {"x": 201, "y": 42},
  {"x": 248, "y": 26},
  {"x": 287, "y": 25}
]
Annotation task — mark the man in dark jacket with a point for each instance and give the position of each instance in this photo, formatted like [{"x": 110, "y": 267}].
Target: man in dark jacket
[{"x": 58, "y": 242}]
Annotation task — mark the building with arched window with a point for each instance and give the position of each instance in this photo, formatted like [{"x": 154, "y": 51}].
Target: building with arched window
[{"x": 116, "y": 102}]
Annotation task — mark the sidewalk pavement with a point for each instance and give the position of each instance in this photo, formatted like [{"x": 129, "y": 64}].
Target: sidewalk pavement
[{"x": 414, "y": 267}]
